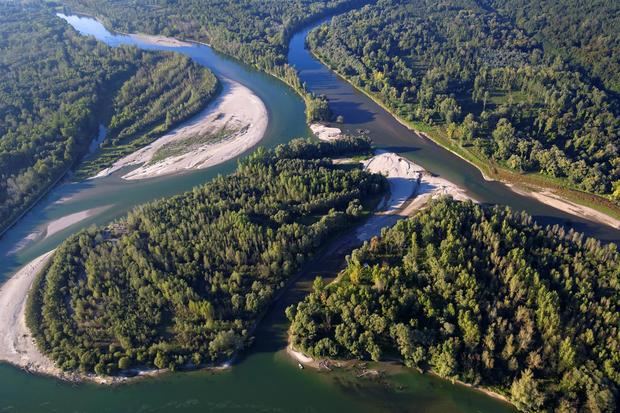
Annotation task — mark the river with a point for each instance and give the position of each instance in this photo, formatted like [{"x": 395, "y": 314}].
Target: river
[{"x": 264, "y": 379}]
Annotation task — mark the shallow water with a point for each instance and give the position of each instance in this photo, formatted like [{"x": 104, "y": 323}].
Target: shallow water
[
  {"x": 361, "y": 113},
  {"x": 264, "y": 378}
]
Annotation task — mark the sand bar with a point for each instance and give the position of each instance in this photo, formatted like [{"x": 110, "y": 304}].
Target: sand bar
[
  {"x": 59, "y": 224},
  {"x": 16, "y": 343},
  {"x": 237, "y": 110},
  {"x": 411, "y": 187},
  {"x": 325, "y": 133},
  {"x": 56, "y": 226},
  {"x": 159, "y": 40}
]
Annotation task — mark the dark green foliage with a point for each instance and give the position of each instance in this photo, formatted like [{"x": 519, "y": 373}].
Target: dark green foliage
[
  {"x": 496, "y": 89},
  {"x": 254, "y": 31},
  {"x": 57, "y": 87},
  {"x": 480, "y": 294},
  {"x": 182, "y": 281},
  {"x": 584, "y": 32},
  {"x": 160, "y": 95}
]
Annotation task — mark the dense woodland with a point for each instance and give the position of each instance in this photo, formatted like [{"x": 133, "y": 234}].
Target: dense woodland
[
  {"x": 58, "y": 87},
  {"x": 584, "y": 32},
  {"x": 492, "y": 86},
  {"x": 182, "y": 281},
  {"x": 256, "y": 32},
  {"x": 483, "y": 295}
]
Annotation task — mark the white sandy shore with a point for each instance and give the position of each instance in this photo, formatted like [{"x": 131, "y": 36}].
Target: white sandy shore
[
  {"x": 18, "y": 347},
  {"x": 159, "y": 40},
  {"x": 56, "y": 226},
  {"x": 237, "y": 109},
  {"x": 549, "y": 198},
  {"x": 16, "y": 343},
  {"x": 411, "y": 187},
  {"x": 59, "y": 224},
  {"x": 325, "y": 133}
]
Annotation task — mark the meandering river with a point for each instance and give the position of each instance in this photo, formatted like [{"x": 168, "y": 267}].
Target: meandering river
[{"x": 264, "y": 379}]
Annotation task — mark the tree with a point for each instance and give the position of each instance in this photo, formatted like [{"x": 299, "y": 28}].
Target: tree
[{"x": 524, "y": 393}]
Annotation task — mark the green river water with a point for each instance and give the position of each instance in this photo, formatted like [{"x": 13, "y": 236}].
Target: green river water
[{"x": 263, "y": 378}]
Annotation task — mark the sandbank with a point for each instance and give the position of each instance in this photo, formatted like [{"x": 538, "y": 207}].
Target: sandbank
[{"x": 237, "y": 110}]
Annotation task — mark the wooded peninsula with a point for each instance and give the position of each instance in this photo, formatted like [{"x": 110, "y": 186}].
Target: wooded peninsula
[
  {"x": 483, "y": 295},
  {"x": 58, "y": 87},
  {"x": 181, "y": 282}
]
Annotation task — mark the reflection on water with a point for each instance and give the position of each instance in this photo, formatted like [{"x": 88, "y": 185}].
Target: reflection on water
[
  {"x": 360, "y": 112},
  {"x": 264, "y": 379}
]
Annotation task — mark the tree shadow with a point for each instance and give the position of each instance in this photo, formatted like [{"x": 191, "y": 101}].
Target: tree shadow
[{"x": 352, "y": 112}]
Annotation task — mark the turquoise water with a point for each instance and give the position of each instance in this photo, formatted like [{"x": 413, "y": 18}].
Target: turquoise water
[{"x": 264, "y": 378}]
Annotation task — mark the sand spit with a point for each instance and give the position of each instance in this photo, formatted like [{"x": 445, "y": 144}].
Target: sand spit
[
  {"x": 325, "y": 133},
  {"x": 16, "y": 343},
  {"x": 237, "y": 109},
  {"x": 549, "y": 198},
  {"x": 56, "y": 226},
  {"x": 411, "y": 187},
  {"x": 159, "y": 40},
  {"x": 65, "y": 222}
]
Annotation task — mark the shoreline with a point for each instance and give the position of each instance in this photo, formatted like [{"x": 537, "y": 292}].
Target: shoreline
[
  {"x": 237, "y": 113},
  {"x": 19, "y": 348},
  {"x": 544, "y": 196},
  {"x": 326, "y": 364},
  {"x": 55, "y": 226},
  {"x": 547, "y": 197}
]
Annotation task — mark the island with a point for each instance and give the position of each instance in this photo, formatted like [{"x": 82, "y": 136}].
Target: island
[
  {"x": 182, "y": 282},
  {"x": 482, "y": 295}
]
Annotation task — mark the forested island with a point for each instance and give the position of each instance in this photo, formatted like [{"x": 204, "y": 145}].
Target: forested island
[
  {"x": 58, "y": 88},
  {"x": 254, "y": 31},
  {"x": 494, "y": 85},
  {"x": 181, "y": 282},
  {"x": 483, "y": 295}
]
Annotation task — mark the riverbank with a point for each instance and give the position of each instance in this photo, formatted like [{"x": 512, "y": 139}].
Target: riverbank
[
  {"x": 235, "y": 122},
  {"x": 18, "y": 347},
  {"x": 56, "y": 226},
  {"x": 329, "y": 364},
  {"x": 590, "y": 206}
]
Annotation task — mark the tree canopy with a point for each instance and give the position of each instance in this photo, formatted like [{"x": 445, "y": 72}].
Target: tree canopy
[
  {"x": 495, "y": 87},
  {"x": 182, "y": 281},
  {"x": 481, "y": 294},
  {"x": 58, "y": 87}
]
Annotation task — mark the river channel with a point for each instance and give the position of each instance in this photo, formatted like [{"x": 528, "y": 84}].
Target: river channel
[{"x": 264, "y": 378}]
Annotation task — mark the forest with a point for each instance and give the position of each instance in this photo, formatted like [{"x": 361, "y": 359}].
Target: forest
[
  {"x": 483, "y": 295},
  {"x": 58, "y": 87},
  {"x": 491, "y": 82},
  {"x": 181, "y": 282},
  {"x": 254, "y": 31},
  {"x": 584, "y": 32}
]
